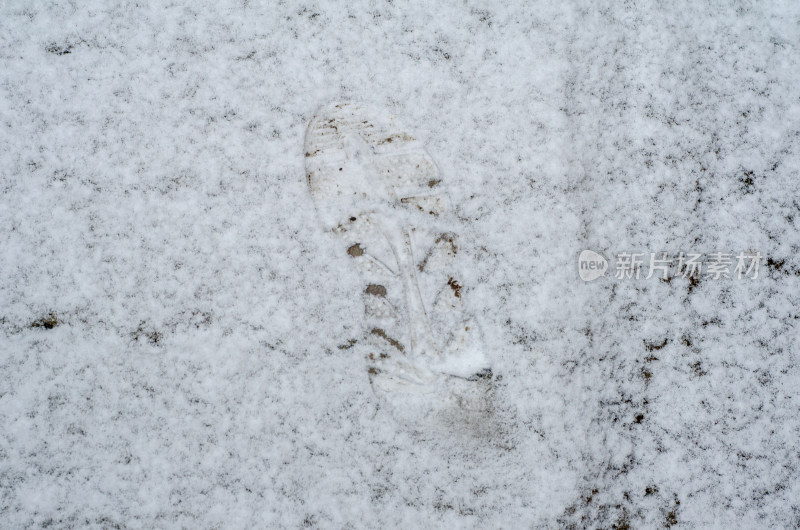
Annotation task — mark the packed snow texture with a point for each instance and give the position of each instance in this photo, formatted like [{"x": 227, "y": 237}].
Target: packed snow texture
[{"x": 173, "y": 314}]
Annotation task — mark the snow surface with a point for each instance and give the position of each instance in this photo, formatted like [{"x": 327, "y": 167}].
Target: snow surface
[{"x": 172, "y": 311}]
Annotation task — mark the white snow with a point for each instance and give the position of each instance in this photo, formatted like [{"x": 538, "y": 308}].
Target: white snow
[{"x": 171, "y": 309}]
